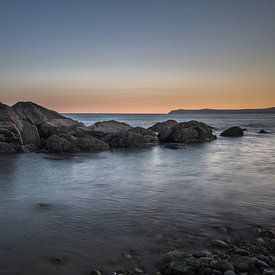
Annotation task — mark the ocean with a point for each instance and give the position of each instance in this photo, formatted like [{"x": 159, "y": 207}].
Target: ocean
[{"x": 125, "y": 208}]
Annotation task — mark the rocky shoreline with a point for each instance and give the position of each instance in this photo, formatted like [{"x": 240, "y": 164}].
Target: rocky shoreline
[
  {"x": 223, "y": 257},
  {"x": 27, "y": 127}
]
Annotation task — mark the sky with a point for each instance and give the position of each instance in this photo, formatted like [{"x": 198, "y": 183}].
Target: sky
[{"x": 138, "y": 56}]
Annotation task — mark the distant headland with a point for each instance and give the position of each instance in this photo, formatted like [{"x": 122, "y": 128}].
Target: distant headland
[{"x": 270, "y": 110}]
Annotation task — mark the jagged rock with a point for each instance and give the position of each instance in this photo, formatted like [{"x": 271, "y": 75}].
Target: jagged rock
[
  {"x": 58, "y": 126},
  {"x": 91, "y": 144},
  {"x": 233, "y": 132},
  {"x": 30, "y": 135},
  {"x": 111, "y": 126},
  {"x": 59, "y": 144},
  {"x": 10, "y": 130},
  {"x": 33, "y": 113}
]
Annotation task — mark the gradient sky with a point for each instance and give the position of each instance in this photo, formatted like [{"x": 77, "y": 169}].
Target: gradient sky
[{"x": 138, "y": 55}]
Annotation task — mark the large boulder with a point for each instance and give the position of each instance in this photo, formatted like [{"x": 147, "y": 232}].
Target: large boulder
[
  {"x": 164, "y": 129},
  {"x": 58, "y": 126},
  {"x": 10, "y": 130},
  {"x": 33, "y": 113},
  {"x": 191, "y": 132},
  {"x": 111, "y": 126},
  {"x": 235, "y": 131},
  {"x": 184, "y": 132},
  {"x": 59, "y": 144}
]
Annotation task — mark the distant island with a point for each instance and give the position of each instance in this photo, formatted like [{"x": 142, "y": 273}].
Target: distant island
[{"x": 226, "y": 111}]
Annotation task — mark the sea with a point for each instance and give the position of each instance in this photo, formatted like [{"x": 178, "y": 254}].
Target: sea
[{"x": 123, "y": 209}]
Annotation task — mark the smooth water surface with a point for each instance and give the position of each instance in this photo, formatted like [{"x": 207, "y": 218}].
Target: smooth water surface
[{"x": 93, "y": 210}]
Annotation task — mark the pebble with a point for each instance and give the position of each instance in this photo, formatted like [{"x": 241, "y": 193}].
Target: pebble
[
  {"x": 268, "y": 271},
  {"x": 138, "y": 271},
  {"x": 268, "y": 234},
  {"x": 243, "y": 263},
  {"x": 220, "y": 243},
  {"x": 261, "y": 264},
  {"x": 229, "y": 272},
  {"x": 95, "y": 272},
  {"x": 222, "y": 265},
  {"x": 201, "y": 254},
  {"x": 242, "y": 252}
]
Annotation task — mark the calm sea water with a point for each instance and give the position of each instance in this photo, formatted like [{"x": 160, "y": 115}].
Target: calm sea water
[{"x": 123, "y": 209}]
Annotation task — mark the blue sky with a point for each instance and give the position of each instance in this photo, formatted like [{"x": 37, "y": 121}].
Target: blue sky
[{"x": 138, "y": 55}]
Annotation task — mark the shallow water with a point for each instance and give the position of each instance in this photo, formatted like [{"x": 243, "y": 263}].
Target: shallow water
[{"x": 91, "y": 209}]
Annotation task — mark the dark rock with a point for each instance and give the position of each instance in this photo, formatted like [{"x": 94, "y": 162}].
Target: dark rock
[
  {"x": 59, "y": 144},
  {"x": 222, "y": 265},
  {"x": 229, "y": 272},
  {"x": 263, "y": 132},
  {"x": 30, "y": 135},
  {"x": 111, "y": 126},
  {"x": 158, "y": 127},
  {"x": 132, "y": 139},
  {"x": 190, "y": 132},
  {"x": 219, "y": 243},
  {"x": 233, "y": 132},
  {"x": 33, "y": 113},
  {"x": 173, "y": 146},
  {"x": 201, "y": 254},
  {"x": 91, "y": 144},
  {"x": 164, "y": 129},
  {"x": 10, "y": 130},
  {"x": 261, "y": 264},
  {"x": 268, "y": 234},
  {"x": 242, "y": 252},
  {"x": 243, "y": 263},
  {"x": 268, "y": 271},
  {"x": 58, "y": 126},
  {"x": 178, "y": 263},
  {"x": 95, "y": 272}
]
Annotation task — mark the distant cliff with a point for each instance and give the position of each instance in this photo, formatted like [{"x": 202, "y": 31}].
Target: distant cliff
[{"x": 216, "y": 111}]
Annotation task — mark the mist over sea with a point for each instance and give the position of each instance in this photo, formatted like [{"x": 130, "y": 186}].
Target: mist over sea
[{"x": 94, "y": 208}]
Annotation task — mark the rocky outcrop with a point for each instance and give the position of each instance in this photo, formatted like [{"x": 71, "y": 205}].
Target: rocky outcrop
[
  {"x": 184, "y": 132},
  {"x": 235, "y": 131},
  {"x": 111, "y": 126},
  {"x": 10, "y": 130},
  {"x": 33, "y": 113},
  {"x": 263, "y": 132},
  {"x": 27, "y": 127},
  {"x": 65, "y": 143},
  {"x": 58, "y": 126},
  {"x": 134, "y": 138}
]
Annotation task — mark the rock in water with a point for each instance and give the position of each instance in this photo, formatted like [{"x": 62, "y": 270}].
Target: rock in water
[
  {"x": 263, "y": 132},
  {"x": 33, "y": 113},
  {"x": 235, "y": 131},
  {"x": 191, "y": 132},
  {"x": 111, "y": 126},
  {"x": 164, "y": 129}
]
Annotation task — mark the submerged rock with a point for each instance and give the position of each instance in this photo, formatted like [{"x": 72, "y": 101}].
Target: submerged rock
[{"x": 235, "y": 131}]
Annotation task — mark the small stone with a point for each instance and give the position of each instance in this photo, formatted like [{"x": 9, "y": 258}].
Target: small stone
[
  {"x": 138, "y": 270},
  {"x": 242, "y": 252},
  {"x": 261, "y": 264},
  {"x": 268, "y": 271},
  {"x": 263, "y": 132},
  {"x": 222, "y": 265},
  {"x": 229, "y": 272},
  {"x": 220, "y": 243},
  {"x": 268, "y": 234},
  {"x": 243, "y": 263},
  {"x": 201, "y": 254},
  {"x": 95, "y": 272}
]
